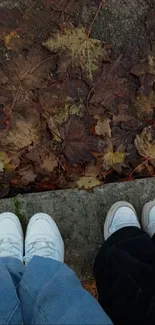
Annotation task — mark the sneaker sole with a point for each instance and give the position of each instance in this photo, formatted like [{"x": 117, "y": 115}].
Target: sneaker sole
[{"x": 111, "y": 213}]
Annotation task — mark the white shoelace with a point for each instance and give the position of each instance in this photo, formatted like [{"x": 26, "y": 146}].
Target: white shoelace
[
  {"x": 41, "y": 248},
  {"x": 8, "y": 247}
]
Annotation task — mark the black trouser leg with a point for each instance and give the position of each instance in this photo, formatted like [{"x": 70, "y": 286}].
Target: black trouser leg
[{"x": 124, "y": 270}]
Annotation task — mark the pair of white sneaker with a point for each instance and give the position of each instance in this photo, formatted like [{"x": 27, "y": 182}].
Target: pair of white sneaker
[
  {"x": 43, "y": 237},
  {"x": 122, "y": 214}
]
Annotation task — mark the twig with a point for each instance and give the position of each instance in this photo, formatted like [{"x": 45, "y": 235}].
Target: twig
[
  {"x": 15, "y": 99},
  {"x": 143, "y": 163},
  {"x": 95, "y": 17},
  {"x": 26, "y": 13}
]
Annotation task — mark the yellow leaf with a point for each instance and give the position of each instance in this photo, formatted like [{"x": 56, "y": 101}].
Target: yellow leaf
[
  {"x": 4, "y": 157},
  {"x": 87, "y": 182},
  {"x": 1, "y": 166},
  {"x": 113, "y": 158},
  {"x": 84, "y": 52},
  {"x": 144, "y": 144}
]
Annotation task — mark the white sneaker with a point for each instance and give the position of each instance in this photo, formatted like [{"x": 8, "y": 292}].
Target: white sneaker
[
  {"x": 43, "y": 238},
  {"x": 11, "y": 236},
  {"x": 148, "y": 217},
  {"x": 121, "y": 214}
]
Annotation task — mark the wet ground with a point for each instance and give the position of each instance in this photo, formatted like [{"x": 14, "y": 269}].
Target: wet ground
[{"x": 76, "y": 93}]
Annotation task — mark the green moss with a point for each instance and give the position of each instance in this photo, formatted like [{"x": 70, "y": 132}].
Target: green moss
[{"x": 21, "y": 216}]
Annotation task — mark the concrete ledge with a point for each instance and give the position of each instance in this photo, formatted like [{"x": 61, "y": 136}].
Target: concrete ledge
[{"x": 80, "y": 215}]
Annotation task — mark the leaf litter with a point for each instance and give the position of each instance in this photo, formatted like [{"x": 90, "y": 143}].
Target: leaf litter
[{"x": 73, "y": 111}]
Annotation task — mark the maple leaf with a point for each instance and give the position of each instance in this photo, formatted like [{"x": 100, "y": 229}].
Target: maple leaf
[
  {"x": 27, "y": 176},
  {"x": 21, "y": 135},
  {"x": 49, "y": 162},
  {"x": 109, "y": 86},
  {"x": 78, "y": 143},
  {"x": 84, "y": 52},
  {"x": 144, "y": 105},
  {"x": 32, "y": 71},
  {"x": 61, "y": 116},
  {"x": 114, "y": 160},
  {"x": 5, "y": 162},
  {"x": 103, "y": 126},
  {"x": 145, "y": 145},
  {"x": 87, "y": 182}
]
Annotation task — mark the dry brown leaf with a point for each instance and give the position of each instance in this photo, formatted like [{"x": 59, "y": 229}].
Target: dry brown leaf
[
  {"x": 79, "y": 143},
  {"x": 49, "y": 162},
  {"x": 145, "y": 145},
  {"x": 144, "y": 105},
  {"x": 22, "y": 135},
  {"x": 87, "y": 182},
  {"x": 27, "y": 176},
  {"x": 32, "y": 71},
  {"x": 92, "y": 170},
  {"x": 61, "y": 116},
  {"x": 103, "y": 126},
  {"x": 108, "y": 87}
]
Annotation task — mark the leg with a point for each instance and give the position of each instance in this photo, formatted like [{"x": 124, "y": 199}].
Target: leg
[
  {"x": 11, "y": 268},
  {"x": 49, "y": 291},
  {"x": 124, "y": 269}
]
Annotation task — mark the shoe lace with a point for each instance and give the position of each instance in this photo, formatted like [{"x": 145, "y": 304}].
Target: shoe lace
[
  {"x": 8, "y": 247},
  {"x": 41, "y": 248}
]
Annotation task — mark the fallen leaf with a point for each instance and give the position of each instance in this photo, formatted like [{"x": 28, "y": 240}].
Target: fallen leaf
[
  {"x": 5, "y": 162},
  {"x": 32, "y": 71},
  {"x": 108, "y": 87},
  {"x": 114, "y": 160},
  {"x": 65, "y": 6},
  {"x": 87, "y": 182},
  {"x": 49, "y": 162},
  {"x": 84, "y": 52},
  {"x": 90, "y": 286},
  {"x": 103, "y": 126},
  {"x": 92, "y": 170},
  {"x": 145, "y": 145},
  {"x": 144, "y": 67},
  {"x": 61, "y": 116},
  {"x": 78, "y": 143},
  {"x": 1, "y": 166},
  {"x": 144, "y": 106},
  {"x": 27, "y": 176},
  {"x": 21, "y": 135}
]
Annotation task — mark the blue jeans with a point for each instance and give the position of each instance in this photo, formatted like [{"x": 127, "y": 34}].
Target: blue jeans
[{"x": 45, "y": 292}]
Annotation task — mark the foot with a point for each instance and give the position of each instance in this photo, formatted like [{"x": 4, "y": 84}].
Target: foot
[
  {"x": 148, "y": 218},
  {"x": 11, "y": 236},
  {"x": 43, "y": 238},
  {"x": 121, "y": 214}
]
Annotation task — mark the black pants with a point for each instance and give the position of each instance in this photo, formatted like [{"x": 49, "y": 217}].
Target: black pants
[{"x": 124, "y": 270}]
